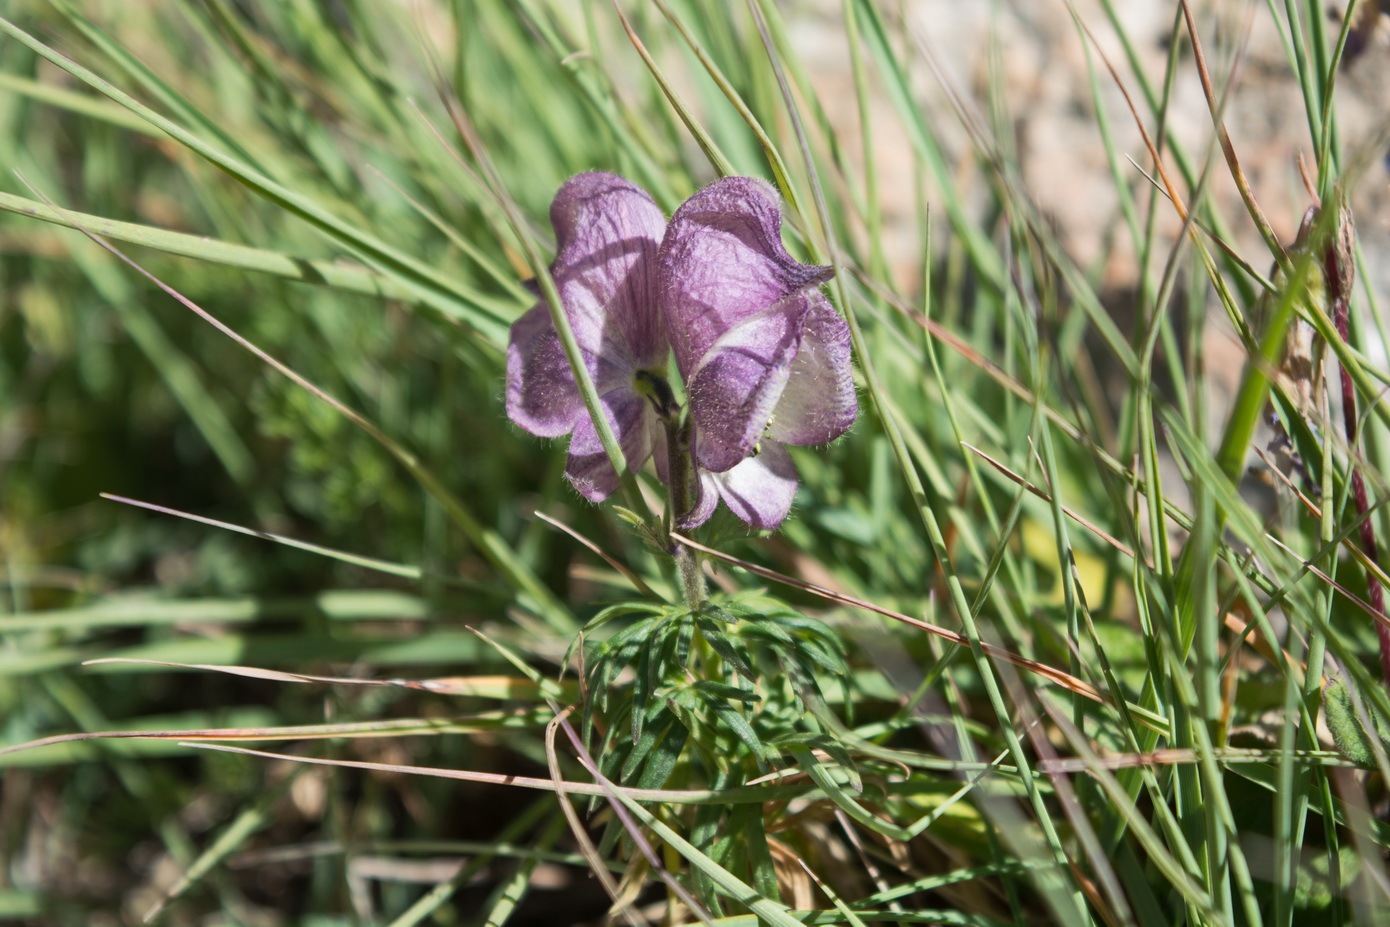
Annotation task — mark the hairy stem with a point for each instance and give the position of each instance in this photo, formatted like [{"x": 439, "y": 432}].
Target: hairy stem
[{"x": 680, "y": 477}]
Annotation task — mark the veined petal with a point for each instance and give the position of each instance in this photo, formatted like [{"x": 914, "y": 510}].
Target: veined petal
[
  {"x": 760, "y": 489},
  {"x": 721, "y": 261},
  {"x": 818, "y": 403},
  {"x": 740, "y": 380},
  {"x": 633, "y": 423},
  {"x": 607, "y": 232},
  {"x": 542, "y": 396}
]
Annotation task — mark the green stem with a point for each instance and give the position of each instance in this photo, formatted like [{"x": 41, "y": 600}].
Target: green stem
[
  {"x": 679, "y": 473},
  {"x": 692, "y": 579},
  {"x": 679, "y": 478}
]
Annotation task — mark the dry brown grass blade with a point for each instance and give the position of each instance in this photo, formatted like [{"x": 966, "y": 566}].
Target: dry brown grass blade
[
  {"x": 508, "y": 687},
  {"x": 1174, "y": 196},
  {"x": 395, "y": 727},
  {"x": 371, "y": 563},
  {"x": 197, "y": 739},
  {"x": 1184, "y": 756},
  {"x": 1309, "y": 505},
  {"x": 1346, "y": 541},
  {"x": 637, "y": 582},
  {"x": 984, "y": 364},
  {"x": 1228, "y": 149},
  {"x": 1063, "y": 679},
  {"x": 1250, "y": 632},
  {"x": 1075, "y": 516},
  {"x": 1350, "y": 596},
  {"x": 1227, "y": 249},
  {"x": 581, "y": 833},
  {"x": 657, "y": 796},
  {"x": 1097, "y": 880},
  {"x": 634, "y": 830},
  {"x": 253, "y": 672}
]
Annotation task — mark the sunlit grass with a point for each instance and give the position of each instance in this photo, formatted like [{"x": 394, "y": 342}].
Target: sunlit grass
[{"x": 1031, "y": 649}]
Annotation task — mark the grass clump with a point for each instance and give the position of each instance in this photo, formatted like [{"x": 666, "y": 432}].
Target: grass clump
[{"x": 1034, "y": 647}]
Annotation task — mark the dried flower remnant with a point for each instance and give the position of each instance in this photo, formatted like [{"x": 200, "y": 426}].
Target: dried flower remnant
[
  {"x": 607, "y": 232},
  {"x": 1363, "y": 27},
  {"x": 765, "y": 357}
]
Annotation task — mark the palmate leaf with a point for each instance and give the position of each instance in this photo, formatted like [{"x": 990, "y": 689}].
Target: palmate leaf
[
  {"x": 767, "y": 653},
  {"x": 715, "y": 727},
  {"x": 613, "y": 656},
  {"x": 725, "y": 691},
  {"x": 710, "y": 830},
  {"x": 663, "y": 756},
  {"x": 657, "y": 730},
  {"x": 648, "y": 678},
  {"x": 803, "y": 683},
  {"x": 788, "y": 633},
  {"x": 636, "y": 642},
  {"x": 625, "y": 645},
  {"x": 606, "y": 616},
  {"x": 611, "y": 759},
  {"x": 719, "y": 641},
  {"x": 719, "y": 613},
  {"x": 731, "y": 718},
  {"x": 659, "y": 663},
  {"x": 767, "y": 632},
  {"x": 685, "y": 637},
  {"x": 827, "y": 658},
  {"x": 742, "y": 848}
]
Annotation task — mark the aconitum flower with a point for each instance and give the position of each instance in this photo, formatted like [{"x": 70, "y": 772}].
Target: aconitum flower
[
  {"x": 764, "y": 356},
  {"x": 607, "y": 232}
]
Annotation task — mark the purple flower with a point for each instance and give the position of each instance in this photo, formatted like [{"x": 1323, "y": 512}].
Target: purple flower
[
  {"x": 765, "y": 357},
  {"x": 607, "y": 232}
]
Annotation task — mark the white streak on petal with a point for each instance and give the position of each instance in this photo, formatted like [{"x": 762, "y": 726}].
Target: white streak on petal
[
  {"x": 740, "y": 381},
  {"x": 760, "y": 490},
  {"x": 818, "y": 403}
]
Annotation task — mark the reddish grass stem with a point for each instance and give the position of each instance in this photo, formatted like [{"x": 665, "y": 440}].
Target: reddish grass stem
[{"x": 1338, "y": 270}]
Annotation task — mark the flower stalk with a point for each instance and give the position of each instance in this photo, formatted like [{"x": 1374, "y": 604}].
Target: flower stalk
[
  {"x": 763, "y": 357},
  {"x": 679, "y": 502}
]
